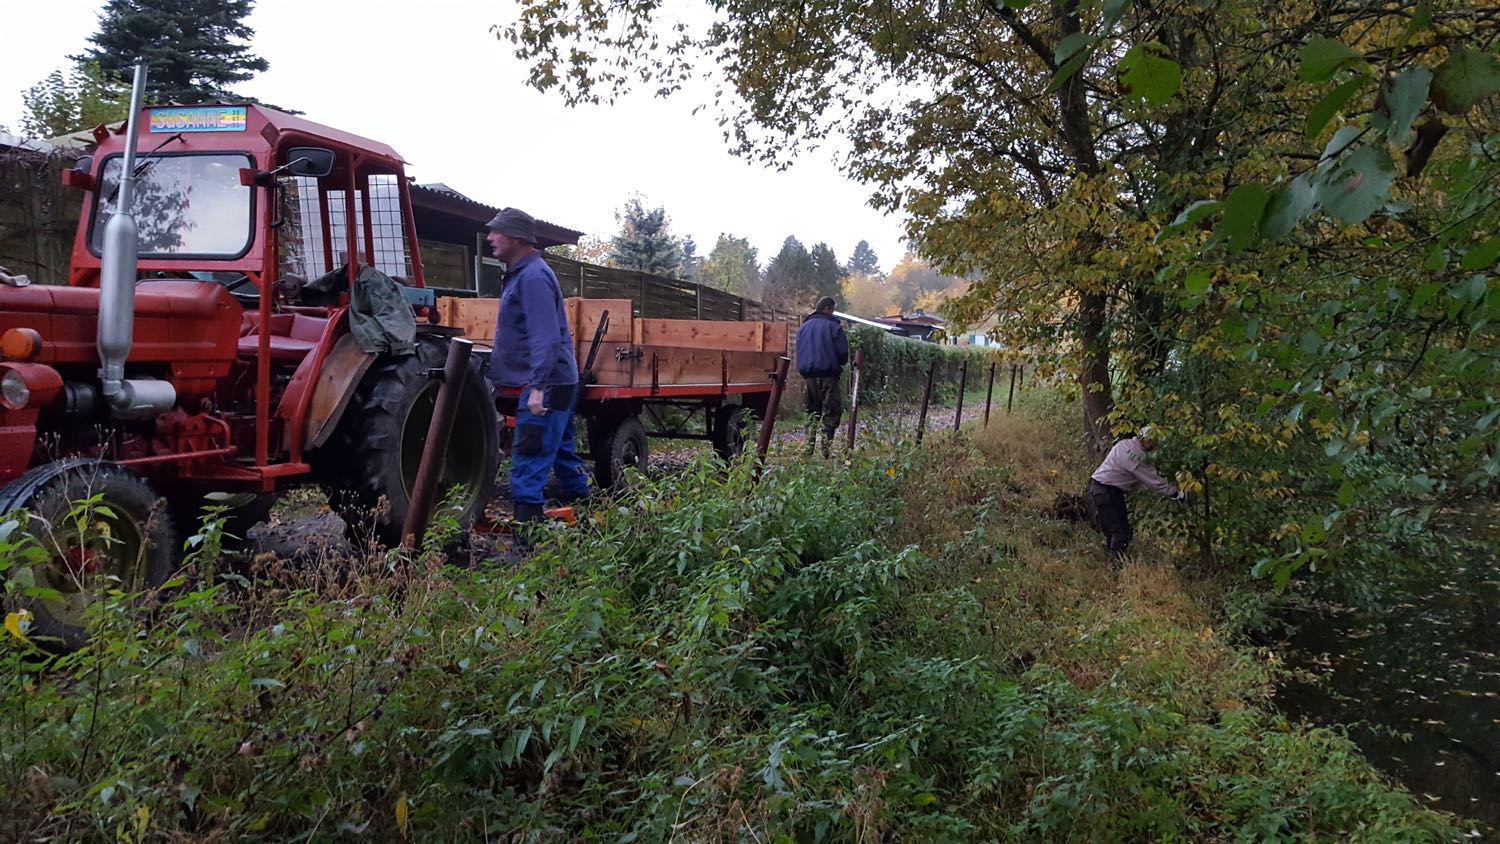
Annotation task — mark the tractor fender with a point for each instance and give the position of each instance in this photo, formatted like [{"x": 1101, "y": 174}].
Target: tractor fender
[{"x": 342, "y": 370}]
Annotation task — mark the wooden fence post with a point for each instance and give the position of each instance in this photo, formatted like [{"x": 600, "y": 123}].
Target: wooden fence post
[
  {"x": 963, "y": 384},
  {"x": 859, "y": 359},
  {"x": 926, "y": 398},
  {"x": 988, "y": 394}
]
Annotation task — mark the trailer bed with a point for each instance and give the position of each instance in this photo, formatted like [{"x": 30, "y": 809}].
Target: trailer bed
[{"x": 716, "y": 375}]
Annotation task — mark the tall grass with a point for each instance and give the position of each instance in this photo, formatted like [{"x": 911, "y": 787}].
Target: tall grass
[{"x": 897, "y": 646}]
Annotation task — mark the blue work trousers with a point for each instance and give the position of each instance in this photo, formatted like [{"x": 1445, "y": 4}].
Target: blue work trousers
[{"x": 546, "y": 444}]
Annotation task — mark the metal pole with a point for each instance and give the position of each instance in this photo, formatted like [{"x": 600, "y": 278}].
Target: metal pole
[
  {"x": 989, "y": 392},
  {"x": 435, "y": 451},
  {"x": 1011, "y": 399},
  {"x": 778, "y": 383},
  {"x": 926, "y": 398},
  {"x": 963, "y": 384},
  {"x": 859, "y": 359}
]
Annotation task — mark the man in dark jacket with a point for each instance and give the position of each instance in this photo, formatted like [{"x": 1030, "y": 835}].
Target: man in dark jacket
[
  {"x": 534, "y": 351},
  {"x": 822, "y": 351}
]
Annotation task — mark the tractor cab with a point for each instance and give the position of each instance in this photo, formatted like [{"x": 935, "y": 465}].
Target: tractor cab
[{"x": 199, "y": 336}]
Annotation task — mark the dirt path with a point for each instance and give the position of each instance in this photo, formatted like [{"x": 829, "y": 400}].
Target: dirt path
[{"x": 302, "y": 528}]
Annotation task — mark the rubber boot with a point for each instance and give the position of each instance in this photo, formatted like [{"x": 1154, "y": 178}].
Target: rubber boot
[
  {"x": 812, "y": 441},
  {"x": 827, "y": 444},
  {"x": 528, "y": 521}
]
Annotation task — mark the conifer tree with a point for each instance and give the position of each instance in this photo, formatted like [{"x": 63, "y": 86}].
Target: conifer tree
[
  {"x": 789, "y": 276},
  {"x": 645, "y": 241},
  {"x": 827, "y": 275},
  {"x": 863, "y": 261},
  {"x": 196, "y": 50}
]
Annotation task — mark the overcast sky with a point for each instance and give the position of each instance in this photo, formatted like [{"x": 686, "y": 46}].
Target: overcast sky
[{"x": 449, "y": 96}]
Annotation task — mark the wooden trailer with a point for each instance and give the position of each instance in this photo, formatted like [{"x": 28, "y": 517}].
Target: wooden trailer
[{"x": 671, "y": 378}]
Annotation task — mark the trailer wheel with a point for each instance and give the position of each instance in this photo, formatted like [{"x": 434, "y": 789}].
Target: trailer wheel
[
  {"x": 377, "y": 448},
  {"x": 126, "y": 541},
  {"x": 732, "y": 424},
  {"x": 617, "y": 448}
]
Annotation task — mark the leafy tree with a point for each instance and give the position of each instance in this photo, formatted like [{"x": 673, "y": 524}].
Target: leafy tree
[
  {"x": 732, "y": 267},
  {"x": 863, "y": 261},
  {"x": 590, "y": 250},
  {"x": 790, "y": 279},
  {"x": 196, "y": 49},
  {"x": 828, "y": 276},
  {"x": 645, "y": 241},
  {"x": 1269, "y": 229},
  {"x": 915, "y": 283},
  {"x": 81, "y": 99},
  {"x": 867, "y": 295}
]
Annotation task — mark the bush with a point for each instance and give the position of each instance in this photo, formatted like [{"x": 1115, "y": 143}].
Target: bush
[
  {"x": 895, "y": 368},
  {"x": 707, "y": 659}
]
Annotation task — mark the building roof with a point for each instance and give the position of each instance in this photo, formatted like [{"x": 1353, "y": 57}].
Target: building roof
[
  {"x": 9, "y": 141},
  {"x": 862, "y": 321},
  {"x": 436, "y": 196},
  {"x": 925, "y": 322}
]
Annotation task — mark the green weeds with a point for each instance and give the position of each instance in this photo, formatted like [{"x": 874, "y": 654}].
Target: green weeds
[{"x": 884, "y": 647}]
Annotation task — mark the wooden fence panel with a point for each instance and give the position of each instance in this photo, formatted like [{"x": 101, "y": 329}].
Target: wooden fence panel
[{"x": 38, "y": 216}]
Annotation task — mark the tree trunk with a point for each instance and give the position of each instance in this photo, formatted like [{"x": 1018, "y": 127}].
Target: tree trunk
[{"x": 1093, "y": 372}]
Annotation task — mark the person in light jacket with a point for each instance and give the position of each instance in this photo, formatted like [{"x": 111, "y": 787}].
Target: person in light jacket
[
  {"x": 1127, "y": 467},
  {"x": 822, "y": 351}
]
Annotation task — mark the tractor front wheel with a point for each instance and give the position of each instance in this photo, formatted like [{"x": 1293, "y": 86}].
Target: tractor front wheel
[{"x": 94, "y": 527}]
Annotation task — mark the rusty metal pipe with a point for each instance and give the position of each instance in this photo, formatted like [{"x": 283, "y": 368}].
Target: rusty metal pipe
[
  {"x": 859, "y": 359},
  {"x": 926, "y": 399},
  {"x": 989, "y": 393},
  {"x": 435, "y": 450},
  {"x": 963, "y": 384},
  {"x": 778, "y": 384}
]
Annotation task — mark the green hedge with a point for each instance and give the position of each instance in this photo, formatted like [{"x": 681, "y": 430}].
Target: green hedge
[{"x": 895, "y": 368}]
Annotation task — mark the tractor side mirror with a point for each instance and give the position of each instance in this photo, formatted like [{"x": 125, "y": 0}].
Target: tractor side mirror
[
  {"x": 80, "y": 176},
  {"x": 314, "y": 162}
]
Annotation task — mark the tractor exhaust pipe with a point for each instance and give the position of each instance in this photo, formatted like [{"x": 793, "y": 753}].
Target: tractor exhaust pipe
[{"x": 117, "y": 277}]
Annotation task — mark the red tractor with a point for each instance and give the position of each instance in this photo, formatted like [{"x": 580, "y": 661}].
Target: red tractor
[{"x": 183, "y": 360}]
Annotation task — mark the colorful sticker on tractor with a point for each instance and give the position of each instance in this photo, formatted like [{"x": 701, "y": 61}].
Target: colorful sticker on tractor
[{"x": 198, "y": 119}]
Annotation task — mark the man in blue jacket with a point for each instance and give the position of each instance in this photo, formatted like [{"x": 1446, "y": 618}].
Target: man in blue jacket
[
  {"x": 822, "y": 351},
  {"x": 534, "y": 351}
]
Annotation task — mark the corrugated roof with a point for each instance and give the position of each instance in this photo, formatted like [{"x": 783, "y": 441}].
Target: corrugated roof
[
  {"x": 862, "y": 321},
  {"x": 18, "y": 142},
  {"x": 455, "y": 202}
]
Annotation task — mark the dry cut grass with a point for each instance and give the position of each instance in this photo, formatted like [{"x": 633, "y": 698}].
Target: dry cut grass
[{"x": 1148, "y": 625}]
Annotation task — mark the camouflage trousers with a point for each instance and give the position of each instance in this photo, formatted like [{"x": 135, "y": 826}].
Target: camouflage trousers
[{"x": 825, "y": 406}]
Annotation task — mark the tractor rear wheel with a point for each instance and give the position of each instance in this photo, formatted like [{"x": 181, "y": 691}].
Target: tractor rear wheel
[
  {"x": 376, "y": 450},
  {"x": 98, "y": 527}
]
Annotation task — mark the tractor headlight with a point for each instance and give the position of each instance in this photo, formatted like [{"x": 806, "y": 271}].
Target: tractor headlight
[{"x": 14, "y": 393}]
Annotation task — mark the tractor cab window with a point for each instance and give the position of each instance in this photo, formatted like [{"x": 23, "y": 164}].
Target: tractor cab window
[{"x": 185, "y": 205}]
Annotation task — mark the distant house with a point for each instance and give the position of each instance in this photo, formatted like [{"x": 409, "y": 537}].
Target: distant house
[{"x": 919, "y": 324}]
